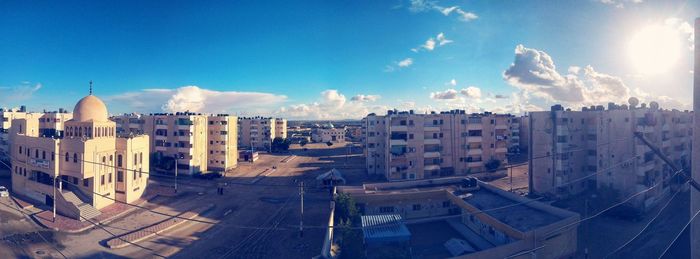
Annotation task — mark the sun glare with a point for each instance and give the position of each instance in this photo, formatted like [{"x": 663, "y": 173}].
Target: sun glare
[{"x": 654, "y": 49}]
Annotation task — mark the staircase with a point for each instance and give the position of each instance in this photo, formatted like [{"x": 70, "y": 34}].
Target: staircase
[{"x": 87, "y": 211}]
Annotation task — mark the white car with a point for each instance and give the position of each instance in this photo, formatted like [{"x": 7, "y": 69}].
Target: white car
[{"x": 4, "y": 192}]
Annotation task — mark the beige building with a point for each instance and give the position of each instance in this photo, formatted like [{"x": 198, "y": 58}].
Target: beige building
[
  {"x": 405, "y": 145},
  {"x": 50, "y": 125},
  {"x": 94, "y": 165},
  {"x": 328, "y": 133},
  {"x": 492, "y": 222},
  {"x": 258, "y": 132},
  {"x": 599, "y": 145},
  {"x": 200, "y": 142},
  {"x": 281, "y": 128}
]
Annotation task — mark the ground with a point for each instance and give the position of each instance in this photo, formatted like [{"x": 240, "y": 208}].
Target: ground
[{"x": 257, "y": 217}]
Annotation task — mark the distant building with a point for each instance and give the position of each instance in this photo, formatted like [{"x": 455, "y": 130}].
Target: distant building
[
  {"x": 483, "y": 220},
  {"x": 406, "y": 145},
  {"x": 95, "y": 165},
  {"x": 50, "y": 125},
  {"x": 599, "y": 146},
  {"x": 524, "y": 133},
  {"x": 258, "y": 132},
  {"x": 328, "y": 133}
]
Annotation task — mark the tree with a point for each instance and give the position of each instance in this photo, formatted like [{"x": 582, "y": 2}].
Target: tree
[
  {"x": 346, "y": 208},
  {"x": 493, "y": 164},
  {"x": 280, "y": 144}
]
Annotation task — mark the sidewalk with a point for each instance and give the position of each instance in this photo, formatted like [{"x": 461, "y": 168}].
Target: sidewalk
[
  {"x": 152, "y": 230},
  {"x": 114, "y": 211}
]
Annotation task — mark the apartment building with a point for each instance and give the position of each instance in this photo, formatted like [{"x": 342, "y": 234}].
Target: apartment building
[
  {"x": 94, "y": 165},
  {"x": 281, "y": 128},
  {"x": 599, "y": 146},
  {"x": 223, "y": 142},
  {"x": 258, "y": 132},
  {"x": 129, "y": 124},
  {"x": 405, "y": 145},
  {"x": 524, "y": 133},
  {"x": 50, "y": 125},
  {"x": 328, "y": 133}
]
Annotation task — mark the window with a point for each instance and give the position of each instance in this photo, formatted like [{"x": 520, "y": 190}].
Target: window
[
  {"x": 141, "y": 158},
  {"x": 119, "y": 160},
  {"x": 416, "y": 206},
  {"x": 120, "y": 176},
  {"x": 102, "y": 180},
  {"x": 53, "y": 156},
  {"x": 20, "y": 149},
  {"x": 134, "y": 175},
  {"x": 109, "y": 178},
  {"x": 75, "y": 157},
  {"x": 36, "y": 153},
  {"x": 136, "y": 158},
  {"x": 67, "y": 157},
  {"x": 43, "y": 154},
  {"x": 86, "y": 182},
  {"x": 445, "y": 204},
  {"x": 386, "y": 209}
]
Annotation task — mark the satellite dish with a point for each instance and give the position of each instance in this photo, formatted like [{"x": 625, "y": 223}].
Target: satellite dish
[
  {"x": 654, "y": 105},
  {"x": 633, "y": 101}
]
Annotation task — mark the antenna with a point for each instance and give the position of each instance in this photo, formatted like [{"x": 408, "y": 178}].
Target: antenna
[{"x": 90, "y": 87}]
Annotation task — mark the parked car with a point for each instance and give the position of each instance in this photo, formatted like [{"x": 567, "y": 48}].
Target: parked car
[
  {"x": 4, "y": 192},
  {"x": 208, "y": 175}
]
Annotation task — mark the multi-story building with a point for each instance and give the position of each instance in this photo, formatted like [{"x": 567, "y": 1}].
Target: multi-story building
[
  {"x": 95, "y": 166},
  {"x": 50, "y": 125},
  {"x": 281, "y": 128},
  {"x": 524, "y": 133},
  {"x": 257, "y": 132},
  {"x": 328, "y": 133},
  {"x": 200, "y": 142},
  {"x": 405, "y": 145},
  {"x": 130, "y": 123},
  {"x": 492, "y": 222},
  {"x": 223, "y": 142},
  {"x": 599, "y": 146}
]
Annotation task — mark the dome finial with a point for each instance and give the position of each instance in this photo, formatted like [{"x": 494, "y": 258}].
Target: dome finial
[{"x": 90, "y": 87}]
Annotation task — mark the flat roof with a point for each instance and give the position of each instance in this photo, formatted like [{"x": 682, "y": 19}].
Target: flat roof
[
  {"x": 521, "y": 216},
  {"x": 384, "y": 228}
]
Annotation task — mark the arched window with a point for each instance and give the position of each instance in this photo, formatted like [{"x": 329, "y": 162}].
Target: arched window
[
  {"x": 119, "y": 160},
  {"x": 75, "y": 157},
  {"x": 67, "y": 156},
  {"x": 136, "y": 158},
  {"x": 20, "y": 149},
  {"x": 80, "y": 132},
  {"x": 43, "y": 154},
  {"x": 29, "y": 151},
  {"x": 36, "y": 153}
]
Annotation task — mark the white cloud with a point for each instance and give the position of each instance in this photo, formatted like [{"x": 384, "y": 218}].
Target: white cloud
[
  {"x": 195, "y": 99},
  {"x": 429, "y": 45},
  {"x": 365, "y": 98},
  {"x": 574, "y": 69},
  {"x": 684, "y": 29},
  {"x": 442, "y": 40},
  {"x": 331, "y": 105},
  {"x": 466, "y": 16},
  {"x": 21, "y": 92},
  {"x": 432, "y": 42},
  {"x": 448, "y": 94},
  {"x": 418, "y": 6},
  {"x": 405, "y": 63},
  {"x": 452, "y": 82},
  {"x": 534, "y": 72},
  {"x": 619, "y": 3},
  {"x": 471, "y": 92}
]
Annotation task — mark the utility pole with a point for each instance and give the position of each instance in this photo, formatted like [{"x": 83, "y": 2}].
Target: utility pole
[
  {"x": 511, "y": 178},
  {"x": 175, "y": 173},
  {"x": 54, "y": 199},
  {"x": 301, "y": 219}
]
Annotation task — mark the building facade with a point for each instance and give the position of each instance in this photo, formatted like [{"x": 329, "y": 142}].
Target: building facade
[
  {"x": 258, "y": 132},
  {"x": 327, "y": 134},
  {"x": 405, "y": 145},
  {"x": 599, "y": 146},
  {"x": 88, "y": 164},
  {"x": 50, "y": 125}
]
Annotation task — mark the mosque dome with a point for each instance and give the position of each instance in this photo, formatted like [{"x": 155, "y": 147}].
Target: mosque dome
[{"x": 90, "y": 108}]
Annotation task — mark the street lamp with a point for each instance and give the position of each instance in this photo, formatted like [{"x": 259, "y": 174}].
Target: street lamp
[{"x": 176, "y": 157}]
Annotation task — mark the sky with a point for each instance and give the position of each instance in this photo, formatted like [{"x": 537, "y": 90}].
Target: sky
[{"x": 345, "y": 59}]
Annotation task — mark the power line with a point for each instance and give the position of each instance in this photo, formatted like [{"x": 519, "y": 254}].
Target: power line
[
  {"x": 679, "y": 234},
  {"x": 648, "y": 224},
  {"x": 37, "y": 231}
]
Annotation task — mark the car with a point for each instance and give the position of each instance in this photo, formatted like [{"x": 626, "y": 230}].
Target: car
[{"x": 4, "y": 192}]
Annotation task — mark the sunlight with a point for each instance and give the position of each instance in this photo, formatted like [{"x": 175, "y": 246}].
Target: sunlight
[{"x": 654, "y": 49}]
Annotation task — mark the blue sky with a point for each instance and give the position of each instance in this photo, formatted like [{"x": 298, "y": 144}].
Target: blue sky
[{"x": 332, "y": 59}]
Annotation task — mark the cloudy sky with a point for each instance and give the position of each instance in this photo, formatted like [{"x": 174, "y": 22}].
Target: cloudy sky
[{"x": 335, "y": 60}]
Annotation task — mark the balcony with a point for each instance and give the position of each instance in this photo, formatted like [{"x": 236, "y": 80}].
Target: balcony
[
  {"x": 398, "y": 142},
  {"x": 501, "y": 126},
  {"x": 475, "y": 164},
  {"x": 432, "y": 141},
  {"x": 399, "y": 128},
  {"x": 471, "y": 139},
  {"x": 501, "y": 150},
  {"x": 433, "y": 154},
  {"x": 475, "y": 126},
  {"x": 431, "y": 128},
  {"x": 431, "y": 168},
  {"x": 475, "y": 151}
]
